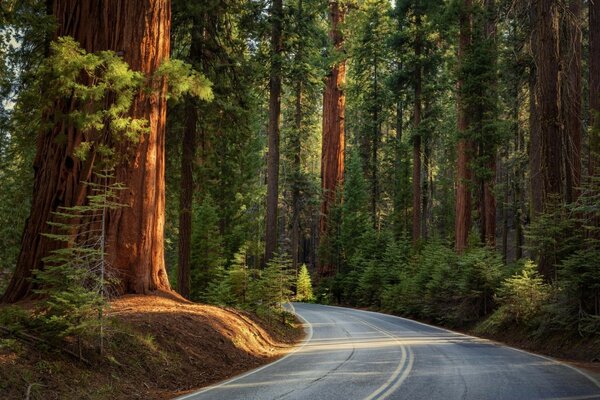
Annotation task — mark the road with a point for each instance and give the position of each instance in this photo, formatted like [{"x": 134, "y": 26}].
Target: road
[{"x": 353, "y": 354}]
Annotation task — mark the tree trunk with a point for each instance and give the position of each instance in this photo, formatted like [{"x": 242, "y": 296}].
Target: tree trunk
[
  {"x": 188, "y": 149},
  {"x": 571, "y": 92},
  {"x": 545, "y": 52},
  {"x": 416, "y": 184},
  {"x": 273, "y": 129},
  {"x": 334, "y": 105},
  {"x": 594, "y": 84},
  {"x": 536, "y": 182},
  {"x": 464, "y": 148},
  {"x": 296, "y": 173},
  {"x": 489, "y": 199},
  {"x": 140, "y": 31}
]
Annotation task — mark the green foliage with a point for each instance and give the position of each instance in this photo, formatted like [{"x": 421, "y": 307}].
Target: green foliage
[
  {"x": 258, "y": 290},
  {"x": 207, "y": 257},
  {"x": 183, "y": 79},
  {"x": 304, "y": 290},
  {"x": 275, "y": 284},
  {"x": 230, "y": 287},
  {"x": 520, "y": 298}
]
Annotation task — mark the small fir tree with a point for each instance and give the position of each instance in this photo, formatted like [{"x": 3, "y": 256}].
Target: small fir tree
[{"x": 304, "y": 290}]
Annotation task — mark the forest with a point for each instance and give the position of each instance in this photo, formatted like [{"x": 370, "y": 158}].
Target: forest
[{"x": 437, "y": 160}]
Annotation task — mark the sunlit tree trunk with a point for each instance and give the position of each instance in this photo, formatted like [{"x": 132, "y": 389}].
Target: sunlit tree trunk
[
  {"x": 139, "y": 31},
  {"x": 334, "y": 105}
]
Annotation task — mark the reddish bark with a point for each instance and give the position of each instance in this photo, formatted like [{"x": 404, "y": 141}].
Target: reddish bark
[
  {"x": 139, "y": 30},
  {"x": 332, "y": 150},
  {"x": 546, "y": 57},
  {"x": 273, "y": 130},
  {"x": 464, "y": 148}
]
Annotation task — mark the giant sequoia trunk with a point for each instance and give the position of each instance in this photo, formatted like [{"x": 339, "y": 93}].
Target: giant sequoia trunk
[
  {"x": 571, "y": 91},
  {"x": 334, "y": 105},
  {"x": 545, "y": 54},
  {"x": 464, "y": 148},
  {"x": 139, "y": 30},
  {"x": 273, "y": 130}
]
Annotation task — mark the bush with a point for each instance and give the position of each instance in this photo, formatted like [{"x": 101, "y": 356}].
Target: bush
[{"x": 521, "y": 299}]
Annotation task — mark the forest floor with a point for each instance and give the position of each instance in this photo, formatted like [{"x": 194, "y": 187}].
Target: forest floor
[{"x": 157, "y": 347}]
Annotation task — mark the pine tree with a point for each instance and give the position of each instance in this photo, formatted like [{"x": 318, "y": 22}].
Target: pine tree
[{"x": 304, "y": 290}]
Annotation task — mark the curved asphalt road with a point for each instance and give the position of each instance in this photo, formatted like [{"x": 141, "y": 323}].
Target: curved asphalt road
[{"x": 352, "y": 354}]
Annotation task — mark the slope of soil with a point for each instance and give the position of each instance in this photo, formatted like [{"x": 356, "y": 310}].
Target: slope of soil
[{"x": 160, "y": 346}]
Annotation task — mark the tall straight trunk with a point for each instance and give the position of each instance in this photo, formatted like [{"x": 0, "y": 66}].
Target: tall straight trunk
[
  {"x": 188, "y": 150},
  {"x": 594, "y": 84},
  {"x": 571, "y": 92},
  {"x": 334, "y": 106},
  {"x": 546, "y": 57},
  {"x": 296, "y": 173},
  {"x": 140, "y": 31},
  {"x": 464, "y": 147},
  {"x": 375, "y": 152},
  {"x": 426, "y": 187},
  {"x": 489, "y": 199},
  {"x": 536, "y": 182},
  {"x": 273, "y": 129},
  {"x": 416, "y": 184}
]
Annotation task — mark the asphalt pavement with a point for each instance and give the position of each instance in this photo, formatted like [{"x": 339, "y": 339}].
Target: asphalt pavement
[{"x": 353, "y": 354}]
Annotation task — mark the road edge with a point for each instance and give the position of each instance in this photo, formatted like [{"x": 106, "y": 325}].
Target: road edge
[
  {"x": 546, "y": 358},
  {"x": 308, "y": 327}
]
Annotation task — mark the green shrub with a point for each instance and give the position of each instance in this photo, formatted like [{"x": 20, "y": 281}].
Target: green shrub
[{"x": 304, "y": 290}]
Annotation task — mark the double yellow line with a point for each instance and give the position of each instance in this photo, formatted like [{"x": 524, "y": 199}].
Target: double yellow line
[{"x": 400, "y": 373}]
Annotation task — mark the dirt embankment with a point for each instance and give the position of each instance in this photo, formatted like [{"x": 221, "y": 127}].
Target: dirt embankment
[{"x": 159, "y": 346}]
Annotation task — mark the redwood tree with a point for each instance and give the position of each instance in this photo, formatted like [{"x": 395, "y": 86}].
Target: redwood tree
[
  {"x": 546, "y": 58},
  {"x": 138, "y": 31},
  {"x": 273, "y": 129},
  {"x": 334, "y": 105},
  {"x": 464, "y": 147}
]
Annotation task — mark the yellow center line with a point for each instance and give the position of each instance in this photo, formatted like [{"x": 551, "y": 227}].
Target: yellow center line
[{"x": 400, "y": 374}]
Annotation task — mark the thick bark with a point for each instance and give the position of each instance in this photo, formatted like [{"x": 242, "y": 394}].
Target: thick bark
[
  {"x": 464, "y": 147},
  {"x": 594, "y": 84},
  {"x": 571, "y": 96},
  {"x": 546, "y": 57},
  {"x": 188, "y": 150},
  {"x": 139, "y": 30},
  {"x": 273, "y": 129},
  {"x": 416, "y": 184},
  {"x": 334, "y": 105}
]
